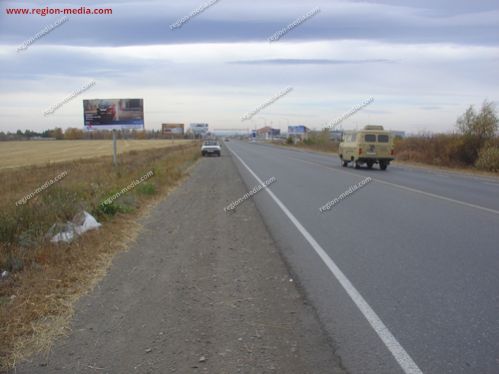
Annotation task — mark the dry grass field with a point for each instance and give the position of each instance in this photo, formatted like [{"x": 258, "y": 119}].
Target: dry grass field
[
  {"x": 44, "y": 278},
  {"x": 41, "y": 152}
]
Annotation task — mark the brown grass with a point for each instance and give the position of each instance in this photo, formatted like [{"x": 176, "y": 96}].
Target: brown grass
[
  {"x": 39, "y": 152},
  {"x": 452, "y": 151},
  {"x": 438, "y": 150},
  {"x": 36, "y": 300}
]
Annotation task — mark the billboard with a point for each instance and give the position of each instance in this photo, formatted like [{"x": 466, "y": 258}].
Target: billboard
[
  {"x": 199, "y": 128},
  {"x": 297, "y": 130},
  {"x": 173, "y": 128},
  {"x": 111, "y": 114}
]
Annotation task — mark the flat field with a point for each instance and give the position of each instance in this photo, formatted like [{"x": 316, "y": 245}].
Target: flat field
[{"x": 39, "y": 152}]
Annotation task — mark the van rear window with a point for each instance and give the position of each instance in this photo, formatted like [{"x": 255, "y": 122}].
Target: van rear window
[
  {"x": 370, "y": 138},
  {"x": 383, "y": 138}
]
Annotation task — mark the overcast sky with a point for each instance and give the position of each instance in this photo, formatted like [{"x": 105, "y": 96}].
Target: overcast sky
[{"x": 424, "y": 62}]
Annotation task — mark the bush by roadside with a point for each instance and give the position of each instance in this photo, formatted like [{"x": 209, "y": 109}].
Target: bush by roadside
[
  {"x": 475, "y": 144},
  {"x": 488, "y": 159},
  {"x": 433, "y": 149}
]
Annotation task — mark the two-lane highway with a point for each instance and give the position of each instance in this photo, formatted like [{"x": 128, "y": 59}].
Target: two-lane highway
[{"x": 404, "y": 273}]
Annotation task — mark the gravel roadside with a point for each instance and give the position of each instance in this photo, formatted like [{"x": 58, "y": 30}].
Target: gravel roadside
[{"x": 199, "y": 291}]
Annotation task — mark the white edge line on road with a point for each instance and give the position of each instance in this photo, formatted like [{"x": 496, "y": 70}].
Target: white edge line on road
[
  {"x": 438, "y": 196},
  {"x": 464, "y": 203},
  {"x": 401, "y": 356}
]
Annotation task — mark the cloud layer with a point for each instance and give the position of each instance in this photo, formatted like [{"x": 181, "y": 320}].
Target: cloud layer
[{"x": 422, "y": 62}]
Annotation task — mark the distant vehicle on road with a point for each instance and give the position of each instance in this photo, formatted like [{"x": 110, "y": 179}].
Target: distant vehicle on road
[
  {"x": 226, "y": 139},
  {"x": 372, "y": 145},
  {"x": 211, "y": 147}
]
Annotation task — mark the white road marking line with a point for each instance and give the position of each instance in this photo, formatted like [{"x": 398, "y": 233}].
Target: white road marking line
[
  {"x": 444, "y": 172},
  {"x": 399, "y": 353},
  {"x": 439, "y": 197},
  {"x": 469, "y": 205}
]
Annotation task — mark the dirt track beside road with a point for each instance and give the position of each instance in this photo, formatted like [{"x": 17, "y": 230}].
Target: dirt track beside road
[{"x": 199, "y": 291}]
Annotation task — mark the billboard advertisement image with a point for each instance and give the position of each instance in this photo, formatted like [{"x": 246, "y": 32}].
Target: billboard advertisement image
[
  {"x": 199, "y": 129},
  {"x": 173, "y": 128},
  {"x": 113, "y": 114},
  {"x": 297, "y": 130}
]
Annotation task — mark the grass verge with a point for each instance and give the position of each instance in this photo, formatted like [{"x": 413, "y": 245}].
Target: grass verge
[{"x": 45, "y": 279}]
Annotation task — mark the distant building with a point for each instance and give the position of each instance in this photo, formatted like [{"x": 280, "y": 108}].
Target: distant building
[
  {"x": 298, "y": 132},
  {"x": 336, "y": 135},
  {"x": 268, "y": 132},
  {"x": 398, "y": 134}
]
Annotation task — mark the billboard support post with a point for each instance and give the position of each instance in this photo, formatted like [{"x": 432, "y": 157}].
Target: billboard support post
[{"x": 114, "y": 148}]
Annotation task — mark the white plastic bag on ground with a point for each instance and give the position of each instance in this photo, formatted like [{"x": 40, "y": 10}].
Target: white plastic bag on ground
[
  {"x": 84, "y": 221},
  {"x": 64, "y": 236},
  {"x": 80, "y": 224},
  {"x": 61, "y": 232}
]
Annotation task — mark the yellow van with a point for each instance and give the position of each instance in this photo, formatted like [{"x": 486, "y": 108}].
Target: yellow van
[{"x": 369, "y": 146}]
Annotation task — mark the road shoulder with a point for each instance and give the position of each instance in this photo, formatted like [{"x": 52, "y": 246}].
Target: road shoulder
[{"x": 200, "y": 290}]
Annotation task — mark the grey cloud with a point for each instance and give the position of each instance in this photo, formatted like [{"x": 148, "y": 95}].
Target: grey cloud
[
  {"x": 430, "y": 107},
  {"x": 134, "y": 23},
  {"x": 284, "y": 61}
]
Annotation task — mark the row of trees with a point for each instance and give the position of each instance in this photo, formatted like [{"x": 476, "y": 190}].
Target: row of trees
[
  {"x": 75, "y": 134},
  {"x": 475, "y": 143},
  {"x": 479, "y": 131},
  {"x": 28, "y": 134}
]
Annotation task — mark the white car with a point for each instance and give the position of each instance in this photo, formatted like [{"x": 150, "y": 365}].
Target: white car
[{"x": 211, "y": 147}]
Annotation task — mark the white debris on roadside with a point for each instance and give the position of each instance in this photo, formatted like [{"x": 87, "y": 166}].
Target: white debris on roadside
[
  {"x": 80, "y": 224},
  {"x": 84, "y": 222}
]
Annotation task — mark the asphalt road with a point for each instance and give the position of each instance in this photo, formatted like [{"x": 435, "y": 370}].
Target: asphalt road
[{"x": 408, "y": 280}]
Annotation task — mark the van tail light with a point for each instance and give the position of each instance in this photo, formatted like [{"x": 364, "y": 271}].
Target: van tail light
[
  {"x": 392, "y": 152},
  {"x": 360, "y": 151}
]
